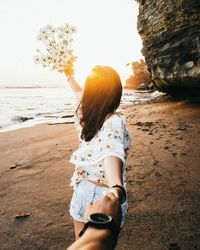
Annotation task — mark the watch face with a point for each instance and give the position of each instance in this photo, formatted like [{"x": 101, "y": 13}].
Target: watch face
[{"x": 100, "y": 218}]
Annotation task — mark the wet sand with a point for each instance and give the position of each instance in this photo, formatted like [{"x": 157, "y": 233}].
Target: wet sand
[{"x": 163, "y": 181}]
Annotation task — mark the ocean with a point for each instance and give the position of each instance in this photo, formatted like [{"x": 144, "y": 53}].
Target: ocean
[{"x": 24, "y": 107}]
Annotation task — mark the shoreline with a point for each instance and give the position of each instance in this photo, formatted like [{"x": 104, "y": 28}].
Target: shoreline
[
  {"x": 162, "y": 180},
  {"x": 34, "y": 125},
  {"x": 28, "y": 116}
]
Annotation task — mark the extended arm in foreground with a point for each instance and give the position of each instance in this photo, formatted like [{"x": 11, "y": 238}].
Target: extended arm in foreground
[{"x": 100, "y": 239}]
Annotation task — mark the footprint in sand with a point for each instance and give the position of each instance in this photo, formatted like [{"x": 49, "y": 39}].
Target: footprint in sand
[
  {"x": 174, "y": 154},
  {"x": 155, "y": 162},
  {"x": 143, "y": 176},
  {"x": 13, "y": 166},
  {"x": 157, "y": 173}
]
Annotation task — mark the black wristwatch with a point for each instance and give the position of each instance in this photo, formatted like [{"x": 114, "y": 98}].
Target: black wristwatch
[{"x": 100, "y": 221}]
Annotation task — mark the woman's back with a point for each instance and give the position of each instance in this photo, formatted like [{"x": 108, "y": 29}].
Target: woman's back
[{"x": 113, "y": 139}]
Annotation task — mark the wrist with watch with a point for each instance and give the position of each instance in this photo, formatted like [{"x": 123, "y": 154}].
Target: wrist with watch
[{"x": 101, "y": 221}]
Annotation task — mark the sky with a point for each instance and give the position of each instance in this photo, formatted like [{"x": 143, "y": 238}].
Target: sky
[{"x": 107, "y": 35}]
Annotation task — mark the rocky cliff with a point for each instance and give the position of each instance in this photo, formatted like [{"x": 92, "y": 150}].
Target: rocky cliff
[
  {"x": 141, "y": 77},
  {"x": 170, "y": 31}
]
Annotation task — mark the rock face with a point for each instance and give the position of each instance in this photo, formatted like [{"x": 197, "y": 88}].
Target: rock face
[
  {"x": 141, "y": 77},
  {"x": 170, "y": 31}
]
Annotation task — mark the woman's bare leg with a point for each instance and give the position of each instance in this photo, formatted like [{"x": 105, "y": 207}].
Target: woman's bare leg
[{"x": 78, "y": 226}]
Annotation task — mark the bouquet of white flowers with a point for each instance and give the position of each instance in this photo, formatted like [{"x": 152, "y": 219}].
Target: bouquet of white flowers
[{"x": 58, "y": 52}]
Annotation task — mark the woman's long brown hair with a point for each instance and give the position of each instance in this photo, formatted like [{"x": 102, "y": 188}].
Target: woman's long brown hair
[{"x": 101, "y": 97}]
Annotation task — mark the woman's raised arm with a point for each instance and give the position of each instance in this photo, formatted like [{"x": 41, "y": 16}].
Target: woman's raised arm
[{"x": 70, "y": 78}]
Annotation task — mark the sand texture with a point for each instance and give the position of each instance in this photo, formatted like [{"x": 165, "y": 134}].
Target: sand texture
[{"x": 163, "y": 181}]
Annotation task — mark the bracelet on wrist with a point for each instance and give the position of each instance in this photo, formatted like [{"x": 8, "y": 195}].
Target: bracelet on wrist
[{"x": 123, "y": 190}]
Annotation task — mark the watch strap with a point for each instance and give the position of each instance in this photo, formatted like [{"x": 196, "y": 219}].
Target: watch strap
[{"x": 86, "y": 225}]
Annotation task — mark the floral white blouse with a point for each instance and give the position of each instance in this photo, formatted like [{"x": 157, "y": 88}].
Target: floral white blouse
[{"x": 113, "y": 139}]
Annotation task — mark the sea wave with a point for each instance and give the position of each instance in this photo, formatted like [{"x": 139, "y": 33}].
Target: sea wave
[{"x": 19, "y": 119}]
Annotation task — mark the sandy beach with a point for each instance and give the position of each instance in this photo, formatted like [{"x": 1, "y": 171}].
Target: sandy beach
[{"x": 163, "y": 181}]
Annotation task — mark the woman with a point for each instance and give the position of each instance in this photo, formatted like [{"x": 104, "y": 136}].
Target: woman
[{"x": 103, "y": 142}]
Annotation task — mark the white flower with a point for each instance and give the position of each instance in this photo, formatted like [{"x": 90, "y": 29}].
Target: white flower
[
  {"x": 66, "y": 30},
  {"x": 66, "y": 57},
  {"x": 60, "y": 36},
  {"x": 44, "y": 60},
  {"x": 43, "y": 36},
  {"x": 43, "y": 32},
  {"x": 73, "y": 29},
  {"x": 66, "y": 25},
  {"x": 62, "y": 47},
  {"x": 50, "y": 29},
  {"x": 54, "y": 60},
  {"x": 49, "y": 59},
  {"x": 39, "y": 37},
  {"x": 37, "y": 59}
]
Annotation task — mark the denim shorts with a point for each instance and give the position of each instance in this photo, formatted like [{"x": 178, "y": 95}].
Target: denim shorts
[{"x": 85, "y": 193}]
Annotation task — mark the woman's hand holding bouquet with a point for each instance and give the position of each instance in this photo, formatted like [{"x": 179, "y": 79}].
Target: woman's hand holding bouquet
[{"x": 57, "y": 53}]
